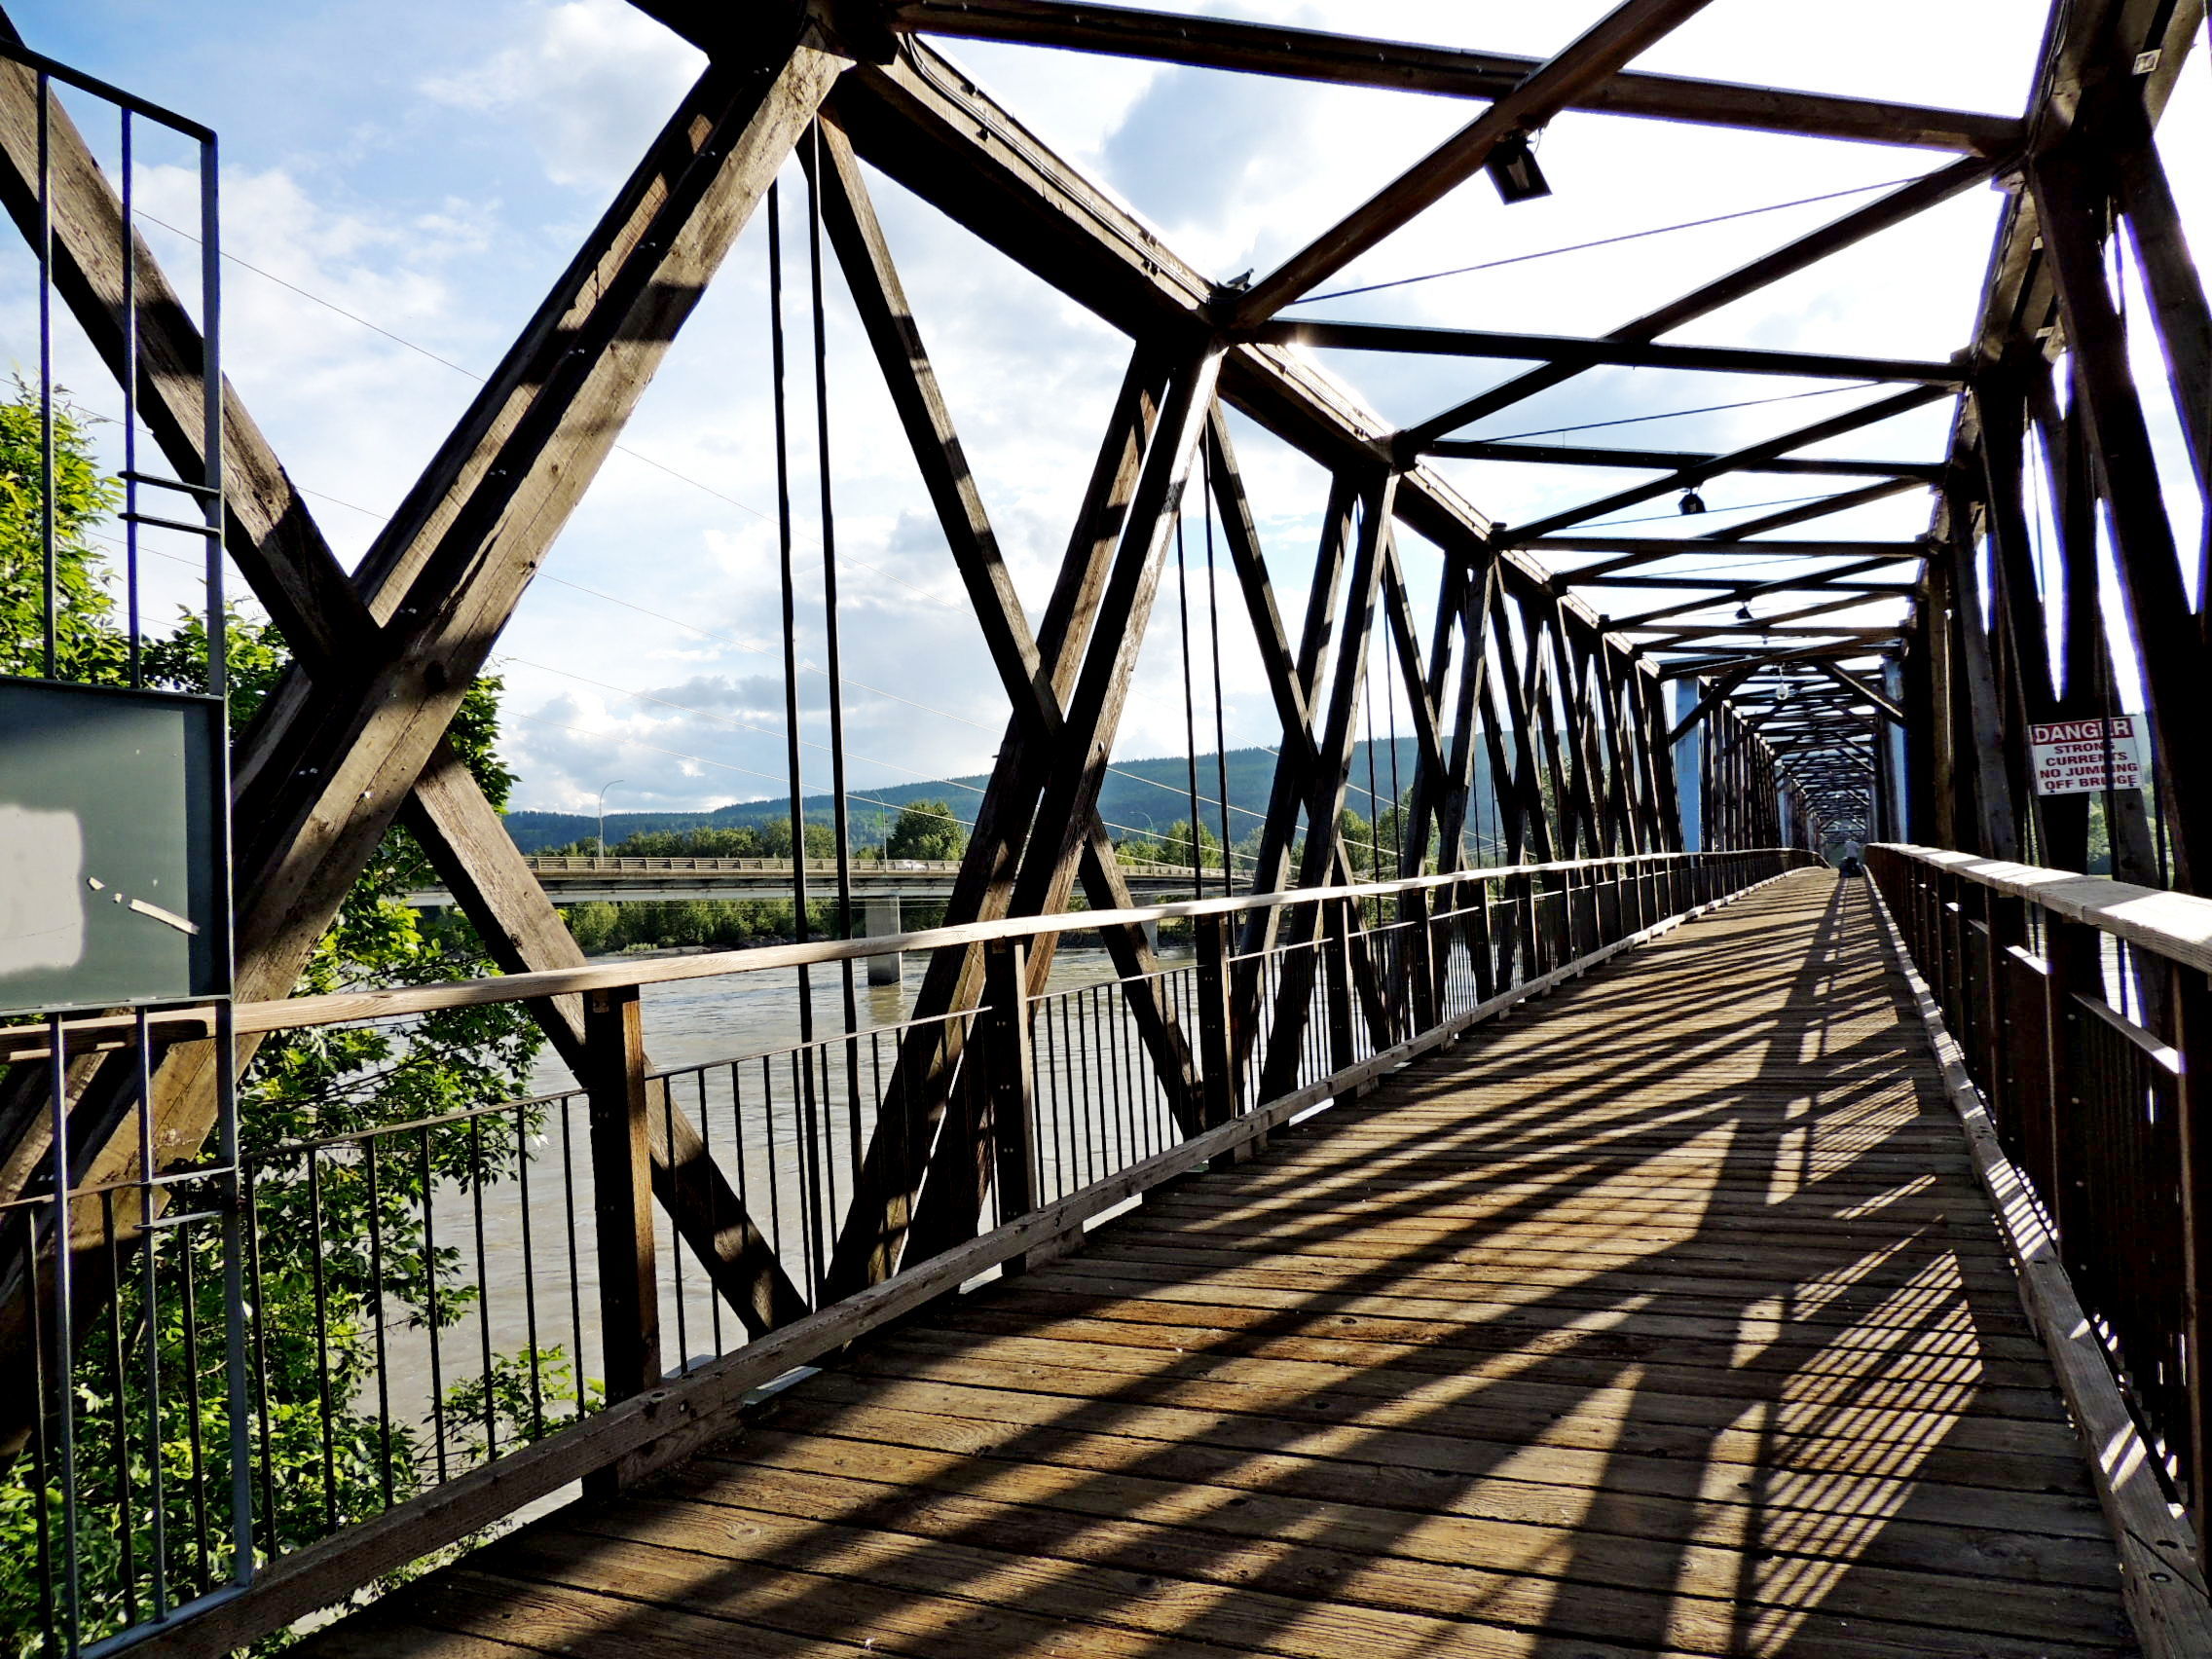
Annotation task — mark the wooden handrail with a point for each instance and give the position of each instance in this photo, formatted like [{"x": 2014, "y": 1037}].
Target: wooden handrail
[
  {"x": 2177, "y": 925},
  {"x": 347, "y": 1007}
]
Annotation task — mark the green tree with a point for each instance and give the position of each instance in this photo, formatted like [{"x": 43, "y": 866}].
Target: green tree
[
  {"x": 1394, "y": 830},
  {"x": 926, "y": 829},
  {"x": 776, "y": 840},
  {"x": 87, "y": 644},
  {"x": 713, "y": 841},
  {"x": 1173, "y": 846},
  {"x": 316, "y": 1285}
]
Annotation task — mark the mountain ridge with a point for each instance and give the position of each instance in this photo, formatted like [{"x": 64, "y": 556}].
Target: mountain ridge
[{"x": 1139, "y": 796}]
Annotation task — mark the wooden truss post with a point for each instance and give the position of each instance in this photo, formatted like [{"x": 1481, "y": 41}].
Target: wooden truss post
[
  {"x": 872, "y": 279},
  {"x": 2001, "y": 403},
  {"x": 1467, "y": 712},
  {"x": 1076, "y": 766},
  {"x": 2087, "y": 658},
  {"x": 2169, "y": 639},
  {"x": 1324, "y": 795},
  {"x": 887, "y": 1186},
  {"x": 1294, "y": 682}
]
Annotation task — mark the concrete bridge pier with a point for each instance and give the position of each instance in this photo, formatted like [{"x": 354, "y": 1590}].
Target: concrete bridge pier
[{"x": 879, "y": 918}]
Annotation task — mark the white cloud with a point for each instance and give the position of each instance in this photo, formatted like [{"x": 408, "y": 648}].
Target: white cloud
[{"x": 587, "y": 74}]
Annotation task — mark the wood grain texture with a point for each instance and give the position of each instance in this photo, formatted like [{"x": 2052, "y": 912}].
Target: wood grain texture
[{"x": 1633, "y": 1325}]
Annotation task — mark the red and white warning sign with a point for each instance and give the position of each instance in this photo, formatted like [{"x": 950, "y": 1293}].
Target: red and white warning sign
[{"x": 2077, "y": 756}]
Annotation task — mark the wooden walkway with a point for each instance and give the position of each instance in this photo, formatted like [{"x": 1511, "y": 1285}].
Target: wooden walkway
[{"x": 1664, "y": 1319}]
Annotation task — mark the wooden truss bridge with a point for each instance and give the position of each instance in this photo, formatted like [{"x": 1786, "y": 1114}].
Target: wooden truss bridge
[{"x": 1648, "y": 1241}]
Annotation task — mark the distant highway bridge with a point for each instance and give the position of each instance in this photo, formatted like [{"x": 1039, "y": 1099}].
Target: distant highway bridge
[
  {"x": 880, "y": 885},
  {"x": 571, "y": 879}
]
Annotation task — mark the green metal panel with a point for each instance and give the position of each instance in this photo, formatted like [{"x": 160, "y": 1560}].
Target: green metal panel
[{"x": 111, "y": 847}]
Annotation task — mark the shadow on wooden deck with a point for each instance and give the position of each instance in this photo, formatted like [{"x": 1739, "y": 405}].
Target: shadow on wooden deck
[{"x": 1664, "y": 1317}]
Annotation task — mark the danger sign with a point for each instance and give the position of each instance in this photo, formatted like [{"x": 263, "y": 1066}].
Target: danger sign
[{"x": 2078, "y": 757}]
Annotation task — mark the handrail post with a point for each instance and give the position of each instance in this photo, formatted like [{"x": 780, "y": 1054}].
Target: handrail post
[
  {"x": 2189, "y": 1006},
  {"x": 1421, "y": 937},
  {"x": 1011, "y": 1077},
  {"x": 622, "y": 1198},
  {"x": 1558, "y": 948},
  {"x": 1337, "y": 921},
  {"x": 2007, "y": 920},
  {"x": 1217, "y": 1048},
  {"x": 1482, "y": 948},
  {"x": 2072, "y": 952}
]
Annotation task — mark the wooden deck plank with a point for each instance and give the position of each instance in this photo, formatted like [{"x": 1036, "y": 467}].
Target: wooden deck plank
[
  {"x": 1424, "y": 1476},
  {"x": 1637, "y": 1324},
  {"x": 1424, "y": 1563}
]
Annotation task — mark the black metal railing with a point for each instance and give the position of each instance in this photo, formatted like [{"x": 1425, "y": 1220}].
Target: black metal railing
[
  {"x": 410, "y": 1329},
  {"x": 2082, "y": 1010}
]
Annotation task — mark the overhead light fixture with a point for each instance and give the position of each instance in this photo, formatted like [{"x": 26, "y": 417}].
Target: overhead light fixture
[
  {"x": 1512, "y": 168},
  {"x": 1744, "y": 612},
  {"x": 1692, "y": 502}
]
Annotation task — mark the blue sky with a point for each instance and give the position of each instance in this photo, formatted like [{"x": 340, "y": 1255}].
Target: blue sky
[{"x": 429, "y": 168}]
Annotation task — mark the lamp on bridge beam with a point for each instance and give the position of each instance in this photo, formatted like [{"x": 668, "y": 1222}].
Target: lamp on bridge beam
[
  {"x": 1691, "y": 503},
  {"x": 1512, "y": 168}
]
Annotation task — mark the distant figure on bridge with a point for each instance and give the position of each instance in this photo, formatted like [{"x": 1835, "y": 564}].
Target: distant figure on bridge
[{"x": 1849, "y": 863}]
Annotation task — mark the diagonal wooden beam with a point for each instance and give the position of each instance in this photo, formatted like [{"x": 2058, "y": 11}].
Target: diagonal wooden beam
[
  {"x": 1325, "y": 796},
  {"x": 1720, "y": 661},
  {"x": 325, "y": 769},
  {"x": 947, "y": 1208},
  {"x": 1421, "y": 684},
  {"x": 1741, "y": 594},
  {"x": 1807, "y": 511},
  {"x": 1858, "y": 687},
  {"x": 2176, "y": 289},
  {"x": 923, "y": 122},
  {"x": 1672, "y": 460},
  {"x": 2169, "y": 639},
  {"x": 1807, "y": 250},
  {"x": 879, "y": 296},
  {"x": 1590, "y": 59},
  {"x": 1101, "y": 690},
  {"x": 1292, "y": 679},
  {"x": 274, "y": 539},
  {"x": 1851, "y": 421},
  {"x": 1452, "y": 812},
  {"x": 889, "y": 1183},
  {"x": 1581, "y": 353},
  {"x": 1269, "y": 48}
]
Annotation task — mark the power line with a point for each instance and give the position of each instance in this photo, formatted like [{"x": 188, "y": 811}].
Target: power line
[
  {"x": 471, "y": 374},
  {"x": 1675, "y": 414},
  {"x": 1605, "y": 242},
  {"x": 1737, "y": 507}
]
